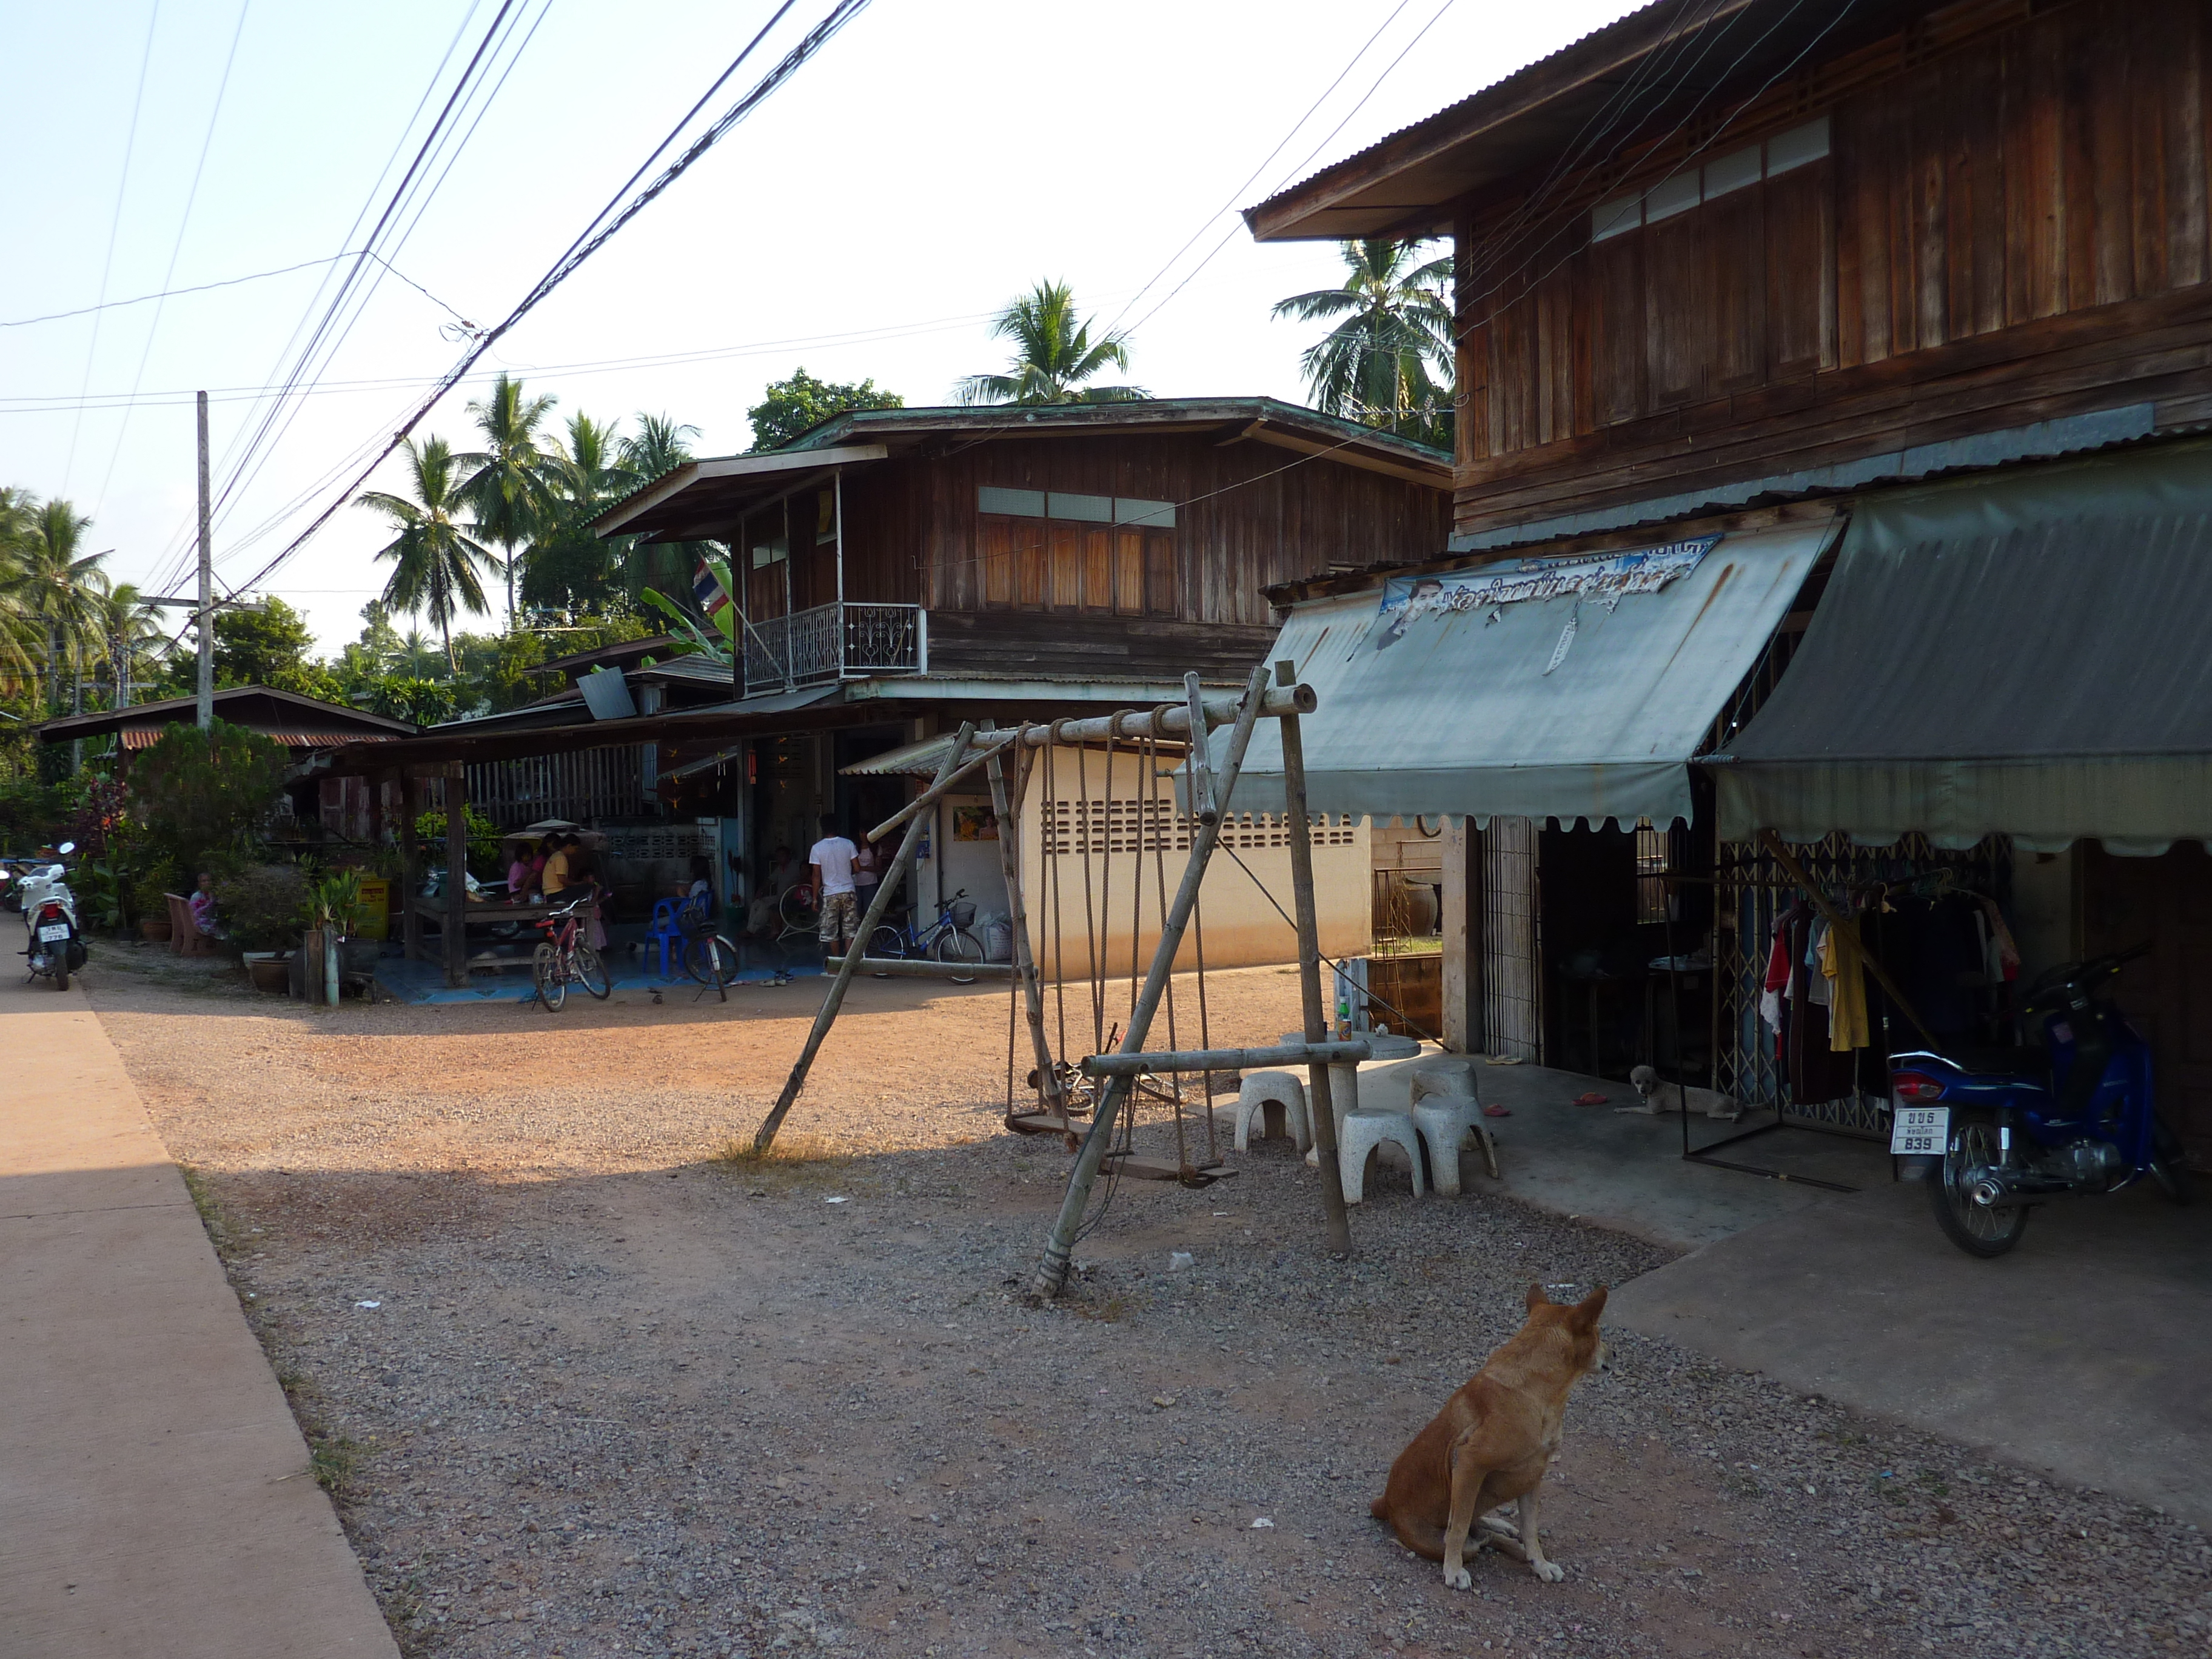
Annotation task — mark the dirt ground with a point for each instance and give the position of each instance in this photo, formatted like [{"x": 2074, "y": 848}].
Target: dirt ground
[{"x": 585, "y": 1386}]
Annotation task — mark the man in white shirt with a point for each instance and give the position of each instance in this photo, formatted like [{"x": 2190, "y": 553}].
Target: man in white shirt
[{"x": 834, "y": 898}]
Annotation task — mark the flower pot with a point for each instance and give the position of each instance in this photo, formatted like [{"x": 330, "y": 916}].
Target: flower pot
[
  {"x": 155, "y": 930},
  {"x": 270, "y": 970}
]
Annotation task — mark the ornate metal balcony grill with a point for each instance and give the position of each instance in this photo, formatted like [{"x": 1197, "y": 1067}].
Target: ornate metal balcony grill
[{"x": 834, "y": 643}]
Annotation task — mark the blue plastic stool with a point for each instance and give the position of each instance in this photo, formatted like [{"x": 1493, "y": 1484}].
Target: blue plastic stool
[{"x": 666, "y": 930}]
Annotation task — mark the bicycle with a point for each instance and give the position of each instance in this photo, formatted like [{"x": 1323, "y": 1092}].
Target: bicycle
[
  {"x": 947, "y": 938},
  {"x": 710, "y": 957},
  {"x": 562, "y": 958}
]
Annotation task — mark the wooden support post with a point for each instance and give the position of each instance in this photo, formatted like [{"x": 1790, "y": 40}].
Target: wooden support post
[
  {"x": 1324, "y": 1113},
  {"x": 1051, "y": 1272},
  {"x": 410, "y": 865},
  {"x": 877, "y": 907},
  {"x": 1461, "y": 926},
  {"x": 1007, "y": 806},
  {"x": 457, "y": 875}
]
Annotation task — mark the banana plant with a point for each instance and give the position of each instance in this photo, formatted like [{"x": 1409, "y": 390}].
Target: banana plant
[{"x": 686, "y": 627}]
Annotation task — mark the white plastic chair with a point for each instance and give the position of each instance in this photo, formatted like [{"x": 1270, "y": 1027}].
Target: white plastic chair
[{"x": 1262, "y": 1090}]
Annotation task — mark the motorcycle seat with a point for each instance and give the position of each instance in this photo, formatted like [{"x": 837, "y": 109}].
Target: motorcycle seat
[{"x": 2030, "y": 1065}]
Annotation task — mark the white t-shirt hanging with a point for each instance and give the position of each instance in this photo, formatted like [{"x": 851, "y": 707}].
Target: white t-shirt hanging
[{"x": 833, "y": 854}]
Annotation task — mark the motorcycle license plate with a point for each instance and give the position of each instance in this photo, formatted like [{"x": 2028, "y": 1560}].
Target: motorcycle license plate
[
  {"x": 53, "y": 932},
  {"x": 1919, "y": 1131}
]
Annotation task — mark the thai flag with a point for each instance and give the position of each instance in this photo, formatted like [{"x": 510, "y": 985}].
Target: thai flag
[{"x": 707, "y": 592}]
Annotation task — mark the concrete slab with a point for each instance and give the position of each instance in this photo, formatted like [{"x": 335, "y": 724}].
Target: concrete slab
[
  {"x": 2082, "y": 1354},
  {"x": 155, "y": 1492}
]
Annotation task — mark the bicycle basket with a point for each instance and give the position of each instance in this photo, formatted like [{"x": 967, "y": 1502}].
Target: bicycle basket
[{"x": 963, "y": 913}]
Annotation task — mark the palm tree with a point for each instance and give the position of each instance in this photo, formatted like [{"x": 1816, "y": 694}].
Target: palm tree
[
  {"x": 1393, "y": 322},
  {"x": 126, "y": 627},
  {"x": 57, "y": 586},
  {"x": 435, "y": 561},
  {"x": 568, "y": 565},
  {"x": 1053, "y": 354},
  {"x": 508, "y": 485},
  {"x": 18, "y": 629},
  {"x": 657, "y": 447}
]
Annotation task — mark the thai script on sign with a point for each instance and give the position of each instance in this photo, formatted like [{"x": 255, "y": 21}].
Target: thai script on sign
[{"x": 1603, "y": 577}]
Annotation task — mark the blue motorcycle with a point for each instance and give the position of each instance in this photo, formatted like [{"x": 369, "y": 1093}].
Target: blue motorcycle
[{"x": 2001, "y": 1131}]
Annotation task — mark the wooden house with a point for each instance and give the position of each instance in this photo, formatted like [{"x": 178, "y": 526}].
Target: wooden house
[{"x": 1917, "y": 293}]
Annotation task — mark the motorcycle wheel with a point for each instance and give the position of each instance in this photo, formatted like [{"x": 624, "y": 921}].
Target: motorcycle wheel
[
  {"x": 545, "y": 973},
  {"x": 1974, "y": 1228},
  {"x": 591, "y": 972},
  {"x": 2171, "y": 1168},
  {"x": 61, "y": 969}
]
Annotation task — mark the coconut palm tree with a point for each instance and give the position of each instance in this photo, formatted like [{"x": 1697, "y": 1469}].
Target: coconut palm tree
[
  {"x": 18, "y": 629},
  {"x": 434, "y": 560},
  {"x": 57, "y": 586},
  {"x": 657, "y": 448},
  {"x": 125, "y": 628},
  {"x": 1054, "y": 355},
  {"x": 567, "y": 565},
  {"x": 508, "y": 485},
  {"x": 1393, "y": 322}
]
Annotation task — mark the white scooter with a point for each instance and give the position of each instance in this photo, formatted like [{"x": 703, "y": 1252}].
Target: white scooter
[{"x": 51, "y": 941}]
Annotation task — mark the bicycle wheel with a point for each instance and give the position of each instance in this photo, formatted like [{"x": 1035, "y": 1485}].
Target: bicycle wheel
[
  {"x": 796, "y": 908},
  {"x": 887, "y": 941},
  {"x": 592, "y": 973},
  {"x": 957, "y": 944},
  {"x": 545, "y": 973},
  {"x": 710, "y": 959}
]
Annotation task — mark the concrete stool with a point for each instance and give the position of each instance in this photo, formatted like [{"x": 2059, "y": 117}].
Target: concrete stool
[
  {"x": 1452, "y": 1074},
  {"x": 1281, "y": 1090},
  {"x": 1444, "y": 1122},
  {"x": 1358, "y": 1134}
]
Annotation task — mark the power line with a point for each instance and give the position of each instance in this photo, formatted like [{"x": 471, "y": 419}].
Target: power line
[
  {"x": 602, "y": 227},
  {"x": 184, "y": 223},
  {"x": 114, "y": 225},
  {"x": 173, "y": 293}
]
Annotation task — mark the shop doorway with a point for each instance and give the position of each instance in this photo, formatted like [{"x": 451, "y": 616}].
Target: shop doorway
[{"x": 2167, "y": 902}]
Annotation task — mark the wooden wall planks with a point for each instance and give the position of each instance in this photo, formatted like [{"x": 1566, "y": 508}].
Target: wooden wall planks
[{"x": 2053, "y": 166}]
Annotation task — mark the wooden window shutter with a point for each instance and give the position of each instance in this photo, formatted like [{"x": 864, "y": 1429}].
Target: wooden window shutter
[
  {"x": 1130, "y": 571},
  {"x": 1065, "y": 567},
  {"x": 1029, "y": 566},
  {"x": 1098, "y": 570},
  {"x": 998, "y": 561},
  {"x": 1160, "y": 572}
]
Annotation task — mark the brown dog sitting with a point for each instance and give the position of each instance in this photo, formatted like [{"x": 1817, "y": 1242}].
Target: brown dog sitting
[{"x": 1492, "y": 1443}]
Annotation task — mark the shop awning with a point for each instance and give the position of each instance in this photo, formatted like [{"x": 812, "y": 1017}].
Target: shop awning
[
  {"x": 1574, "y": 687},
  {"x": 2024, "y": 657}
]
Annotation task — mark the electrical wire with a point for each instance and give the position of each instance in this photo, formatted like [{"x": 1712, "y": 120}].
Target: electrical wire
[
  {"x": 173, "y": 293},
  {"x": 602, "y": 227},
  {"x": 114, "y": 225}
]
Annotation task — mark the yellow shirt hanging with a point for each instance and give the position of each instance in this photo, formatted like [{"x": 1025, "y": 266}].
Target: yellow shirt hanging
[{"x": 1841, "y": 963}]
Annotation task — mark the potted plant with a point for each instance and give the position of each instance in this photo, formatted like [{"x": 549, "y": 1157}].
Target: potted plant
[{"x": 332, "y": 900}]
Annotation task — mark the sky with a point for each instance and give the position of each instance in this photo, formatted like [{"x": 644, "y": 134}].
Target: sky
[{"x": 930, "y": 163}]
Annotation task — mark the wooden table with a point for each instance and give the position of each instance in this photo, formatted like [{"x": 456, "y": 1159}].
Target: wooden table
[{"x": 479, "y": 915}]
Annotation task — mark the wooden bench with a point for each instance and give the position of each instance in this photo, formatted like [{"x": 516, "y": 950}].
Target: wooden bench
[{"x": 185, "y": 938}]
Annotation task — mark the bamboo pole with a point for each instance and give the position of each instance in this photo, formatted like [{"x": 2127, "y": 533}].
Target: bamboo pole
[
  {"x": 1008, "y": 805},
  {"x": 1324, "y": 1114},
  {"x": 1351, "y": 1050},
  {"x": 850, "y": 965},
  {"x": 1052, "y": 1271}
]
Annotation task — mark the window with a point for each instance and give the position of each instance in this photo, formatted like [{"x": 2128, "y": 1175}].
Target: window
[
  {"x": 1716, "y": 178},
  {"x": 1104, "y": 554},
  {"x": 1654, "y": 861}
]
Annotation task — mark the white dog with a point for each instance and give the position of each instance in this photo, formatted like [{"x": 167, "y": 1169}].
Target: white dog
[{"x": 1659, "y": 1097}]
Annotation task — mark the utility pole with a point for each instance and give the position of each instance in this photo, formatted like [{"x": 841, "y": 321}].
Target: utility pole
[{"x": 207, "y": 586}]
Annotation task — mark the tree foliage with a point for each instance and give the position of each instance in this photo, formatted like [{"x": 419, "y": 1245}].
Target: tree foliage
[
  {"x": 436, "y": 561},
  {"x": 1393, "y": 326},
  {"x": 205, "y": 793},
  {"x": 788, "y": 408},
  {"x": 1054, "y": 355}
]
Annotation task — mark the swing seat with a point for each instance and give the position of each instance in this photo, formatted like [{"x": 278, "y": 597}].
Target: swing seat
[
  {"x": 1277, "y": 1099},
  {"x": 1364, "y": 1132}
]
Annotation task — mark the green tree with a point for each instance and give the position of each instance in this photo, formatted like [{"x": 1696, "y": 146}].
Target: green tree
[
  {"x": 369, "y": 660},
  {"x": 1054, "y": 355},
  {"x": 403, "y": 697},
  {"x": 19, "y": 630},
  {"x": 1394, "y": 323},
  {"x": 255, "y": 644},
  {"x": 127, "y": 631},
  {"x": 206, "y": 792},
  {"x": 569, "y": 568},
  {"x": 788, "y": 408},
  {"x": 56, "y": 586},
  {"x": 508, "y": 482},
  {"x": 436, "y": 564},
  {"x": 656, "y": 449}
]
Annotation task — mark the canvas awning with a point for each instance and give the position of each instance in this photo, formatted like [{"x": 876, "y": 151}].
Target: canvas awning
[
  {"x": 2022, "y": 656},
  {"x": 1575, "y": 687}
]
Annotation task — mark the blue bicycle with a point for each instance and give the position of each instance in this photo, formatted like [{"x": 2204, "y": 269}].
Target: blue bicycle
[{"x": 946, "y": 940}]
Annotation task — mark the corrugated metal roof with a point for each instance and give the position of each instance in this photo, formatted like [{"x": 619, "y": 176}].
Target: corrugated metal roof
[{"x": 145, "y": 737}]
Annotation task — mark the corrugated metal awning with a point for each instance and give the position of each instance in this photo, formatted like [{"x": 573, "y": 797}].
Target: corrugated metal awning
[
  {"x": 1584, "y": 705},
  {"x": 2023, "y": 657},
  {"x": 145, "y": 737},
  {"x": 913, "y": 760}
]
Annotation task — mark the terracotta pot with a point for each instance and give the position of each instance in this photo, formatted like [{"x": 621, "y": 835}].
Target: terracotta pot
[
  {"x": 155, "y": 930},
  {"x": 270, "y": 973}
]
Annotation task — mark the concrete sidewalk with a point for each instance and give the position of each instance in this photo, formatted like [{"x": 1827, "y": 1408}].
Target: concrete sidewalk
[{"x": 155, "y": 1492}]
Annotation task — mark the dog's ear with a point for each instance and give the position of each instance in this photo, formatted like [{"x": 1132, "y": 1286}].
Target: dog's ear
[
  {"x": 1587, "y": 1309},
  {"x": 1536, "y": 1297}
]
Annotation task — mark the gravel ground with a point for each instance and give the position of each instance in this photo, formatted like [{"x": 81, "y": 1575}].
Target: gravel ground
[{"x": 585, "y": 1386}]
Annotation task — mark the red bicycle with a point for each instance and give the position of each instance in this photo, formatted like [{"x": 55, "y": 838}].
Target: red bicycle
[{"x": 562, "y": 958}]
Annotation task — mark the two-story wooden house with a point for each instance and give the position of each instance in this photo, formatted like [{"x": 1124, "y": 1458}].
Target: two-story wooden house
[
  {"x": 1826, "y": 377},
  {"x": 903, "y": 570}
]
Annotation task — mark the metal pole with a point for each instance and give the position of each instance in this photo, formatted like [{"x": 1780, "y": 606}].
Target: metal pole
[
  {"x": 206, "y": 612},
  {"x": 877, "y": 907},
  {"x": 1324, "y": 1114},
  {"x": 1007, "y": 806},
  {"x": 1051, "y": 1272}
]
